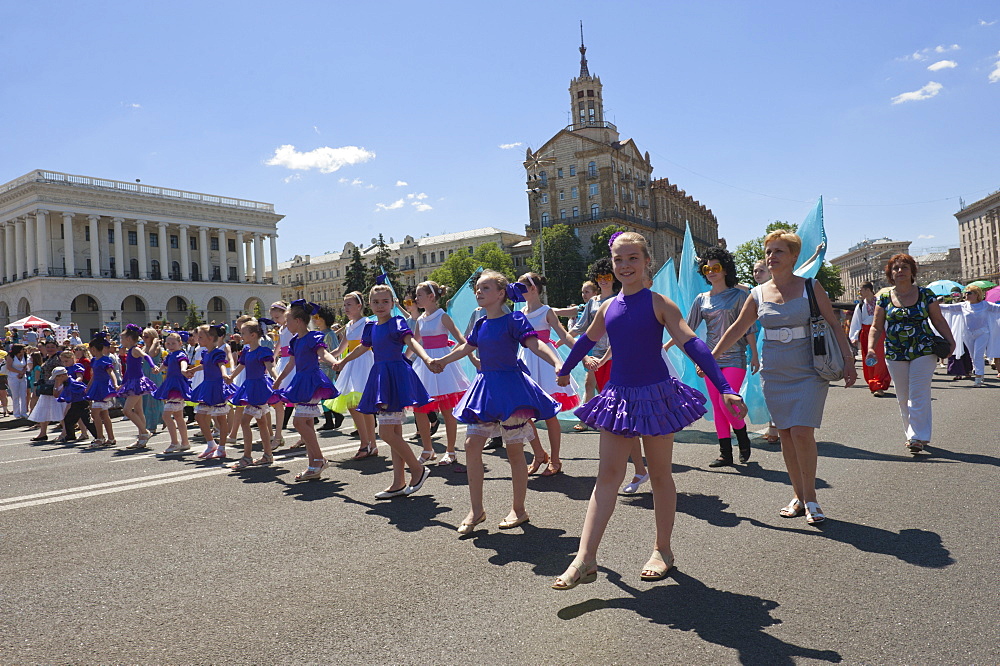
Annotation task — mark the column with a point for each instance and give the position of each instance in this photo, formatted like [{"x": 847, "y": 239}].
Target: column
[
  {"x": 68, "y": 249},
  {"x": 223, "y": 259},
  {"x": 3, "y": 252},
  {"x": 206, "y": 273},
  {"x": 185, "y": 253},
  {"x": 140, "y": 230},
  {"x": 241, "y": 266},
  {"x": 30, "y": 257},
  {"x": 164, "y": 251},
  {"x": 10, "y": 249},
  {"x": 19, "y": 248},
  {"x": 258, "y": 258},
  {"x": 95, "y": 245},
  {"x": 119, "y": 249},
  {"x": 274, "y": 258},
  {"x": 42, "y": 245},
  {"x": 248, "y": 251}
]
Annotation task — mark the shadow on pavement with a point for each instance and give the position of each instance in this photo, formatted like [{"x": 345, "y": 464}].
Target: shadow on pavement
[
  {"x": 541, "y": 547},
  {"x": 309, "y": 491},
  {"x": 933, "y": 454},
  {"x": 735, "y": 621}
]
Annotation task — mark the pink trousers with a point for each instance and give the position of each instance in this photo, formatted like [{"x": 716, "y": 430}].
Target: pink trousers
[{"x": 723, "y": 418}]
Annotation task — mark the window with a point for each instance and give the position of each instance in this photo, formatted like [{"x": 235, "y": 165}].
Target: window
[
  {"x": 562, "y": 213},
  {"x": 592, "y": 190},
  {"x": 133, "y": 269},
  {"x": 558, "y": 173},
  {"x": 216, "y": 305},
  {"x": 579, "y": 94},
  {"x": 545, "y": 197},
  {"x": 195, "y": 273},
  {"x": 450, "y": 252},
  {"x": 574, "y": 192},
  {"x": 173, "y": 241},
  {"x": 562, "y": 195},
  {"x": 111, "y": 264},
  {"x": 576, "y": 212},
  {"x": 86, "y": 233},
  {"x": 423, "y": 259},
  {"x": 231, "y": 244},
  {"x": 572, "y": 169},
  {"x": 133, "y": 238},
  {"x": 590, "y": 93},
  {"x": 592, "y": 170},
  {"x": 545, "y": 219},
  {"x": 175, "y": 274},
  {"x": 595, "y": 212},
  {"x": 154, "y": 239},
  {"x": 214, "y": 245},
  {"x": 90, "y": 268},
  {"x": 193, "y": 242},
  {"x": 544, "y": 177},
  {"x": 232, "y": 274},
  {"x": 217, "y": 273},
  {"x": 111, "y": 236}
]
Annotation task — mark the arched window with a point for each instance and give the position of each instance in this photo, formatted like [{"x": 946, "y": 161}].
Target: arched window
[
  {"x": 175, "y": 270},
  {"x": 133, "y": 269},
  {"x": 216, "y": 304},
  {"x": 155, "y": 265}
]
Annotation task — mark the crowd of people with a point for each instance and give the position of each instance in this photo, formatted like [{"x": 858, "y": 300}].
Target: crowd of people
[{"x": 298, "y": 364}]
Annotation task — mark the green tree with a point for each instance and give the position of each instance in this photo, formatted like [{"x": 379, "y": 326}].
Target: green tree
[
  {"x": 355, "y": 275},
  {"x": 193, "y": 320},
  {"x": 564, "y": 264},
  {"x": 382, "y": 261},
  {"x": 599, "y": 241},
  {"x": 257, "y": 314},
  {"x": 749, "y": 253},
  {"x": 460, "y": 265}
]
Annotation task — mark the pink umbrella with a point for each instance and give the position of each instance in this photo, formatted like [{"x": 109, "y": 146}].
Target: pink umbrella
[{"x": 993, "y": 295}]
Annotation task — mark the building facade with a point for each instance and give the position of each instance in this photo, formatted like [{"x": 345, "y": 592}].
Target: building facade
[
  {"x": 979, "y": 239},
  {"x": 945, "y": 265},
  {"x": 587, "y": 177},
  {"x": 320, "y": 279},
  {"x": 865, "y": 262},
  {"x": 95, "y": 251}
]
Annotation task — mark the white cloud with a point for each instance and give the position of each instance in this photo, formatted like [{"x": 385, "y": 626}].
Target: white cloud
[
  {"x": 508, "y": 146},
  {"x": 925, "y": 236},
  {"x": 995, "y": 74},
  {"x": 294, "y": 176},
  {"x": 401, "y": 183},
  {"x": 399, "y": 203},
  {"x": 422, "y": 207},
  {"x": 928, "y": 91},
  {"x": 355, "y": 182},
  {"x": 131, "y": 105},
  {"x": 986, "y": 23},
  {"x": 942, "y": 64},
  {"x": 418, "y": 197},
  {"x": 945, "y": 49},
  {"x": 923, "y": 54},
  {"x": 316, "y": 129},
  {"x": 326, "y": 159}
]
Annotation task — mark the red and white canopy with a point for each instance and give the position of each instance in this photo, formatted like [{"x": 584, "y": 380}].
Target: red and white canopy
[{"x": 31, "y": 321}]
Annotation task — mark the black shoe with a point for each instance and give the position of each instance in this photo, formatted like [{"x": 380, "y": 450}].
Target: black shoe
[
  {"x": 435, "y": 424},
  {"x": 721, "y": 462},
  {"x": 415, "y": 437},
  {"x": 494, "y": 443},
  {"x": 744, "y": 455},
  {"x": 338, "y": 420},
  {"x": 354, "y": 434},
  {"x": 743, "y": 440}
]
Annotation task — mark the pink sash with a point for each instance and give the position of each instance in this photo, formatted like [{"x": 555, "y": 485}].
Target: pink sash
[
  {"x": 437, "y": 341},
  {"x": 544, "y": 336}
]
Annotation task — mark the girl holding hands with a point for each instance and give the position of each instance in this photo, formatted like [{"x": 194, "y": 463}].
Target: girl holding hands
[
  {"x": 640, "y": 399},
  {"x": 308, "y": 386},
  {"x": 101, "y": 390},
  {"x": 392, "y": 386},
  {"x": 212, "y": 394},
  {"x": 256, "y": 394},
  {"x": 175, "y": 391},
  {"x": 503, "y": 398},
  {"x": 135, "y": 384},
  {"x": 354, "y": 375}
]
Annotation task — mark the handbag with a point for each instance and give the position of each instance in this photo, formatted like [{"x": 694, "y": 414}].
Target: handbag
[
  {"x": 827, "y": 360},
  {"x": 941, "y": 347},
  {"x": 46, "y": 388}
]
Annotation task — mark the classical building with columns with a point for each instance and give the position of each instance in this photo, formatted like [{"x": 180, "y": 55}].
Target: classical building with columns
[
  {"x": 979, "y": 236},
  {"x": 94, "y": 251}
]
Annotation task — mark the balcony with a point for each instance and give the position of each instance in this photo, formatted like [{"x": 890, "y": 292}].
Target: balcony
[{"x": 590, "y": 124}]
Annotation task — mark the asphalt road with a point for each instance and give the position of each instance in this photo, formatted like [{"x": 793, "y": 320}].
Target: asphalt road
[{"x": 111, "y": 557}]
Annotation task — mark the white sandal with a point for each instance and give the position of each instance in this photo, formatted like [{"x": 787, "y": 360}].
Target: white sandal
[
  {"x": 637, "y": 481},
  {"x": 793, "y": 510},
  {"x": 427, "y": 456},
  {"x": 448, "y": 458},
  {"x": 814, "y": 514}
]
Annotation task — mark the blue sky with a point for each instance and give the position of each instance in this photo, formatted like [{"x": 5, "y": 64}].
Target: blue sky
[{"x": 399, "y": 109}]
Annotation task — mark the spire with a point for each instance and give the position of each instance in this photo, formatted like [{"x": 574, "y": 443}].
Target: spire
[{"x": 584, "y": 72}]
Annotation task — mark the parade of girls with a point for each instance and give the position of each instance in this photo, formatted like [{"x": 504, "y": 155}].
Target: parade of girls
[{"x": 383, "y": 370}]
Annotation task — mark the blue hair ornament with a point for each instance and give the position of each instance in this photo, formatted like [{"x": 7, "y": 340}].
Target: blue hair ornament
[
  {"x": 611, "y": 241},
  {"x": 516, "y": 291},
  {"x": 183, "y": 335},
  {"x": 311, "y": 308},
  {"x": 265, "y": 322}
]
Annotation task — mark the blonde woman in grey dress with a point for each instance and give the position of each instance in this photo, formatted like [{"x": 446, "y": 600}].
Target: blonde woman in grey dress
[{"x": 794, "y": 393}]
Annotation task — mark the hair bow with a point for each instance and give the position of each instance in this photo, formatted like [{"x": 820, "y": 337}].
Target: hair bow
[
  {"x": 135, "y": 328},
  {"x": 382, "y": 279},
  {"x": 183, "y": 335},
  {"x": 516, "y": 290},
  {"x": 101, "y": 335},
  {"x": 611, "y": 241},
  {"x": 265, "y": 322},
  {"x": 220, "y": 329},
  {"x": 311, "y": 308}
]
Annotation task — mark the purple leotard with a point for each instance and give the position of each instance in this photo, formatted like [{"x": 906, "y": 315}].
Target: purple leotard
[
  {"x": 392, "y": 383},
  {"x": 640, "y": 398},
  {"x": 212, "y": 390},
  {"x": 175, "y": 385},
  {"x": 135, "y": 382},
  {"x": 101, "y": 386}
]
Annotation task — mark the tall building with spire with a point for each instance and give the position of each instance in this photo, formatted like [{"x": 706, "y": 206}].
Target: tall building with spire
[{"x": 587, "y": 177}]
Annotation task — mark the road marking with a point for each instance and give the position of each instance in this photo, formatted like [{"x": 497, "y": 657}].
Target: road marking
[
  {"x": 54, "y": 455},
  {"x": 81, "y": 492}
]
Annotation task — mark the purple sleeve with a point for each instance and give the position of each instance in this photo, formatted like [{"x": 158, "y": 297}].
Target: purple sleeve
[
  {"x": 268, "y": 356},
  {"x": 581, "y": 348},
  {"x": 217, "y": 356},
  {"x": 241, "y": 359},
  {"x": 699, "y": 352},
  {"x": 402, "y": 328},
  {"x": 521, "y": 328},
  {"x": 473, "y": 337},
  {"x": 316, "y": 340},
  {"x": 366, "y": 334}
]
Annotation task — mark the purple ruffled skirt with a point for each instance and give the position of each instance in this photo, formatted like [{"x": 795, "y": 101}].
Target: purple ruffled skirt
[
  {"x": 255, "y": 392},
  {"x": 174, "y": 388},
  {"x": 138, "y": 386},
  {"x": 497, "y": 395},
  {"x": 212, "y": 392},
  {"x": 655, "y": 409},
  {"x": 395, "y": 385},
  {"x": 308, "y": 387}
]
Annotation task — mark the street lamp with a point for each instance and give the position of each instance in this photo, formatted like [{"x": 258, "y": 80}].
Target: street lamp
[{"x": 533, "y": 164}]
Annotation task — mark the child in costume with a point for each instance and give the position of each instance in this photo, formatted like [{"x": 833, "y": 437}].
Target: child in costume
[
  {"x": 354, "y": 375},
  {"x": 135, "y": 384},
  {"x": 175, "y": 391},
  {"x": 279, "y": 314},
  {"x": 71, "y": 390},
  {"x": 256, "y": 394},
  {"x": 101, "y": 390},
  {"x": 213, "y": 393}
]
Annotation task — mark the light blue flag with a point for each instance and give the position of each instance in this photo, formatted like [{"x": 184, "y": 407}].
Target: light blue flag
[
  {"x": 689, "y": 285},
  {"x": 813, "y": 235},
  {"x": 397, "y": 311},
  {"x": 460, "y": 308}
]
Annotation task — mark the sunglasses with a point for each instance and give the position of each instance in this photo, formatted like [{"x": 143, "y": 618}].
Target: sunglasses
[
  {"x": 407, "y": 302},
  {"x": 605, "y": 277},
  {"x": 706, "y": 269}
]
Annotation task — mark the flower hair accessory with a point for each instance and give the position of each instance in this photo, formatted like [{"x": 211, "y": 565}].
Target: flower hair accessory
[
  {"x": 516, "y": 290},
  {"x": 611, "y": 241},
  {"x": 264, "y": 323},
  {"x": 311, "y": 308},
  {"x": 133, "y": 328}
]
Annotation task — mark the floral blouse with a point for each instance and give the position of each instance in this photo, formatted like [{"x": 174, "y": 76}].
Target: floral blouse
[{"x": 908, "y": 334}]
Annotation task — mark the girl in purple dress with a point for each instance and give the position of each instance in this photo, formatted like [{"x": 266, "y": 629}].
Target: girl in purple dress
[
  {"x": 135, "y": 384},
  {"x": 256, "y": 395},
  {"x": 101, "y": 390},
  {"x": 72, "y": 392},
  {"x": 309, "y": 385},
  {"x": 503, "y": 398},
  {"x": 175, "y": 391},
  {"x": 392, "y": 387},
  {"x": 213, "y": 393},
  {"x": 640, "y": 399}
]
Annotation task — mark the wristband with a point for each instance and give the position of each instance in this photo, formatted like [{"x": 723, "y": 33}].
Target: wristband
[
  {"x": 583, "y": 345},
  {"x": 698, "y": 351}
]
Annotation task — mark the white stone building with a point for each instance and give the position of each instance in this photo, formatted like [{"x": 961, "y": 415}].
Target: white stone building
[
  {"x": 96, "y": 251},
  {"x": 979, "y": 237}
]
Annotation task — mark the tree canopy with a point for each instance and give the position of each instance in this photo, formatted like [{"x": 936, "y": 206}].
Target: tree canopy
[
  {"x": 355, "y": 275},
  {"x": 564, "y": 263},
  {"x": 382, "y": 261},
  {"x": 752, "y": 251},
  {"x": 460, "y": 265},
  {"x": 599, "y": 241}
]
